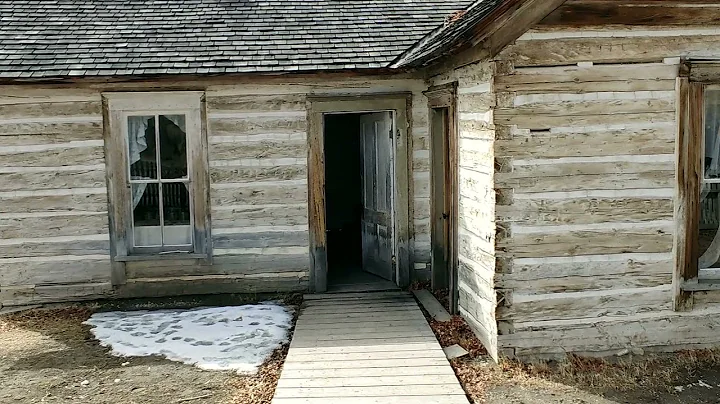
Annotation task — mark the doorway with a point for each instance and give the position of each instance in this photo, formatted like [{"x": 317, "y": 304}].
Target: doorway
[
  {"x": 444, "y": 187},
  {"x": 358, "y": 196}
]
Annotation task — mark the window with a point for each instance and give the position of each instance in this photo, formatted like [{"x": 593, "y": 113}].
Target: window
[
  {"x": 156, "y": 152},
  {"x": 709, "y": 215}
]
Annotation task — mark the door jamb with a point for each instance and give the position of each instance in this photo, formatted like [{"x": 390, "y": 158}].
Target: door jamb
[
  {"x": 445, "y": 96},
  {"x": 317, "y": 107}
]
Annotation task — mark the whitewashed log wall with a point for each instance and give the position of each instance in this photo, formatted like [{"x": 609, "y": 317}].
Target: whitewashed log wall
[
  {"x": 53, "y": 205},
  {"x": 476, "y": 227},
  {"x": 585, "y": 174}
]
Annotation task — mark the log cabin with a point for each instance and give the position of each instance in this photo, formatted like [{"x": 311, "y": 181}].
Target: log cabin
[{"x": 553, "y": 163}]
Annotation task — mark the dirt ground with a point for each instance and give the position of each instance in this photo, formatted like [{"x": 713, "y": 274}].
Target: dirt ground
[
  {"x": 678, "y": 378},
  {"x": 49, "y": 356}
]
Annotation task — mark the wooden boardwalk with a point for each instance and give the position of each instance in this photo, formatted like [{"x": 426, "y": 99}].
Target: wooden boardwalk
[{"x": 366, "y": 348}]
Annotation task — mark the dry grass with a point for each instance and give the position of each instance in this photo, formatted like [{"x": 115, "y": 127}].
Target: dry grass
[
  {"x": 259, "y": 388},
  {"x": 657, "y": 374}
]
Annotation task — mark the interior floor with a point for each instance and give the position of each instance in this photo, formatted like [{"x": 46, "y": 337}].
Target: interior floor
[{"x": 354, "y": 279}]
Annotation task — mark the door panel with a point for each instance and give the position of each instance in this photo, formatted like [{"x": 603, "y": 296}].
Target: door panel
[{"x": 377, "y": 245}]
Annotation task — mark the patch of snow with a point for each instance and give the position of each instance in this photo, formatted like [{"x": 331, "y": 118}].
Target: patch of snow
[
  {"x": 237, "y": 338},
  {"x": 679, "y": 389}
]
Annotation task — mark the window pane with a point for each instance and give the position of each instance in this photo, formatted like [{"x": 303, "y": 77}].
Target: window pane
[
  {"x": 176, "y": 214},
  {"x": 709, "y": 241},
  {"x": 141, "y": 147},
  {"x": 173, "y": 155},
  {"x": 146, "y": 215}
]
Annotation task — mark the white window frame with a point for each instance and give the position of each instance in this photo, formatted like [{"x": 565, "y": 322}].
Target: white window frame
[{"x": 117, "y": 108}]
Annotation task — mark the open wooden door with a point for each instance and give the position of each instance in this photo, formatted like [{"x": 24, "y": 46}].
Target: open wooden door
[
  {"x": 444, "y": 190},
  {"x": 376, "y": 131}
]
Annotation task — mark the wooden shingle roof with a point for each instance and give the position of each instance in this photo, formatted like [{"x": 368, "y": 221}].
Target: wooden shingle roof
[{"x": 76, "y": 38}]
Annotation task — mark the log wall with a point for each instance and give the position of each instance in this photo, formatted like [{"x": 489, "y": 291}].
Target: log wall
[
  {"x": 585, "y": 176},
  {"x": 53, "y": 204},
  {"x": 476, "y": 229}
]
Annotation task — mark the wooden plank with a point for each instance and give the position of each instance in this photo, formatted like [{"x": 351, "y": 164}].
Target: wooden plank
[
  {"x": 665, "y": 330},
  {"x": 232, "y": 174},
  {"x": 645, "y": 239},
  {"x": 259, "y": 147},
  {"x": 259, "y": 215},
  {"x": 222, "y": 265},
  {"x": 563, "y": 51},
  {"x": 371, "y": 363},
  {"x": 289, "y": 102},
  {"x": 519, "y": 78},
  {"x": 23, "y": 94},
  {"x": 348, "y": 296},
  {"x": 339, "y": 334},
  {"x": 23, "y": 181},
  {"x": 580, "y": 276},
  {"x": 390, "y": 311},
  {"x": 585, "y": 211},
  {"x": 543, "y": 122},
  {"x": 641, "y": 13},
  {"x": 688, "y": 176},
  {"x": 426, "y": 399},
  {"x": 46, "y": 109},
  {"x": 368, "y": 381},
  {"x": 50, "y": 138},
  {"x": 584, "y": 87},
  {"x": 46, "y": 248},
  {"x": 583, "y": 143},
  {"x": 416, "y": 344},
  {"x": 354, "y": 356},
  {"x": 590, "y": 304},
  {"x": 57, "y": 224},
  {"x": 86, "y": 130},
  {"x": 53, "y": 272},
  {"x": 24, "y": 295},
  {"x": 90, "y": 155},
  {"x": 249, "y": 126},
  {"x": 359, "y": 308},
  {"x": 431, "y": 305},
  {"x": 581, "y": 166},
  {"x": 644, "y": 180},
  {"x": 455, "y": 351},
  {"x": 341, "y": 303},
  {"x": 259, "y": 193},
  {"x": 194, "y": 285},
  {"x": 373, "y": 391},
  {"x": 616, "y": 108},
  {"x": 260, "y": 240}
]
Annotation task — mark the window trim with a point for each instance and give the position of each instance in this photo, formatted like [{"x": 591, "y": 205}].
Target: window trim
[{"x": 116, "y": 107}]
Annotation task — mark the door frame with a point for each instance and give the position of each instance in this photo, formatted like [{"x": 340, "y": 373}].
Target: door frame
[
  {"x": 317, "y": 108},
  {"x": 444, "y": 186}
]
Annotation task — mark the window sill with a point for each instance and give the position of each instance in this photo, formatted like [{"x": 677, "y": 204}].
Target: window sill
[{"x": 161, "y": 257}]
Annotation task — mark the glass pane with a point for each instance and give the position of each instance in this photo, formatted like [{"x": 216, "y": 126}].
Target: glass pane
[
  {"x": 146, "y": 215},
  {"x": 173, "y": 154},
  {"x": 709, "y": 241},
  {"x": 176, "y": 214},
  {"x": 141, "y": 147},
  {"x": 712, "y": 139}
]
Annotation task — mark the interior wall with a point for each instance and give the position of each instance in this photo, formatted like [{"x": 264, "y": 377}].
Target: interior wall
[
  {"x": 343, "y": 193},
  {"x": 586, "y": 127}
]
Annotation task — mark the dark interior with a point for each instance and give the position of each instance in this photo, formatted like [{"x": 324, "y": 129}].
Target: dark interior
[{"x": 343, "y": 192}]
